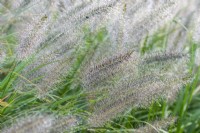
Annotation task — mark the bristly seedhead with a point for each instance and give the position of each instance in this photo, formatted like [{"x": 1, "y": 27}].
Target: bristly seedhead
[
  {"x": 95, "y": 74},
  {"x": 147, "y": 21},
  {"x": 163, "y": 57},
  {"x": 140, "y": 90},
  {"x": 163, "y": 62},
  {"x": 156, "y": 126},
  {"x": 139, "y": 94},
  {"x": 197, "y": 57},
  {"x": 31, "y": 124},
  {"x": 2, "y": 53},
  {"x": 34, "y": 35},
  {"x": 196, "y": 28},
  {"x": 65, "y": 124},
  {"x": 43, "y": 124}
]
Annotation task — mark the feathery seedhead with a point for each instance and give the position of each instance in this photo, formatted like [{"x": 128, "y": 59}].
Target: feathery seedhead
[
  {"x": 156, "y": 126},
  {"x": 197, "y": 57},
  {"x": 196, "y": 31},
  {"x": 33, "y": 37},
  {"x": 43, "y": 124},
  {"x": 2, "y": 53},
  {"x": 147, "y": 22},
  {"x": 163, "y": 63},
  {"x": 163, "y": 57},
  {"x": 31, "y": 124},
  {"x": 108, "y": 67},
  {"x": 140, "y": 92},
  {"x": 65, "y": 124},
  {"x": 121, "y": 100}
]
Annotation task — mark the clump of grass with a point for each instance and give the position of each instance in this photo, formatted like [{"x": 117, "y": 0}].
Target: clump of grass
[{"x": 84, "y": 60}]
